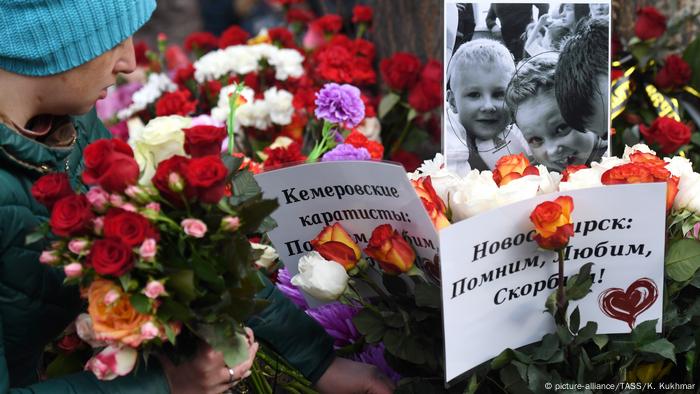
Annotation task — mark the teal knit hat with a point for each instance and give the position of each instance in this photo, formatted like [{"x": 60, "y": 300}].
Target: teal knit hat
[{"x": 46, "y": 37}]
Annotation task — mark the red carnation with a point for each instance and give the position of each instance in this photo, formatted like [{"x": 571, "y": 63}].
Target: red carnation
[
  {"x": 282, "y": 36},
  {"x": 140, "y": 49},
  {"x": 668, "y": 133},
  {"x": 401, "y": 71},
  {"x": 201, "y": 42},
  {"x": 650, "y": 23},
  {"x": 362, "y": 14},
  {"x": 675, "y": 73},
  {"x": 207, "y": 175},
  {"x": 328, "y": 24},
  {"x": 175, "y": 103},
  {"x": 51, "y": 187},
  {"x": 234, "y": 35},
  {"x": 110, "y": 257},
  {"x": 284, "y": 155},
  {"x": 409, "y": 160},
  {"x": 358, "y": 140},
  {"x": 204, "y": 140},
  {"x": 184, "y": 75},
  {"x": 427, "y": 93},
  {"x": 300, "y": 15},
  {"x": 110, "y": 164},
  {"x": 71, "y": 216}
]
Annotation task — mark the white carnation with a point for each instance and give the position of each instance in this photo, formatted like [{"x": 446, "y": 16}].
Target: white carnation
[
  {"x": 280, "y": 105},
  {"x": 156, "y": 85},
  {"x": 679, "y": 166},
  {"x": 644, "y": 148}
]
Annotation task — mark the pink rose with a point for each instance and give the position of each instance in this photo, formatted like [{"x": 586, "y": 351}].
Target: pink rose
[
  {"x": 73, "y": 270},
  {"x": 137, "y": 193},
  {"x": 153, "y": 206},
  {"x": 129, "y": 207},
  {"x": 78, "y": 246},
  {"x": 48, "y": 257},
  {"x": 116, "y": 199},
  {"x": 230, "y": 223},
  {"x": 194, "y": 227},
  {"x": 112, "y": 362},
  {"x": 148, "y": 249},
  {"x": 98, "y": 198},
  {"x": 111, "y": 297},
  {"x": 149, "y": 331},
  {"x": 154, "y": 289},
  {"x": 98, "y": 224}
]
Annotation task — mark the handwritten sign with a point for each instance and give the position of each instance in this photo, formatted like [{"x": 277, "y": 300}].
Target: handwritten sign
[
  {"x": 360, "y": 195},
  {"x": 495, "y": 280}
]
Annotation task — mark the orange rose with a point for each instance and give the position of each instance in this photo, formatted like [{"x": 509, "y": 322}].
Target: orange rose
[
  {"x": 552, "y": 220},
  {"x": 390, "y": 250},
  {"x": 511, "y": 167},
  {"x": 647, "y": 158},
  {"x": 113, "y": 316},
  {"x": 432, "y": 202},
  {"x": 570, "y": 170},
  {"x": 645, "y": 170},
  {"x": 334, "y": 243}
]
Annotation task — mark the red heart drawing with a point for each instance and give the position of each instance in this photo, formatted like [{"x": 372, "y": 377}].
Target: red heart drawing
[{"x": 627, "y": 305}]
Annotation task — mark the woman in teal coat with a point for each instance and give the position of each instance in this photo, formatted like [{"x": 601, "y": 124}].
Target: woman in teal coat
[{"x": 57, "y": 57}]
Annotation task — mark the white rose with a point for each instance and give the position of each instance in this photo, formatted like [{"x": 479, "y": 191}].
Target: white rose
[
  {"x": 268, "y": 257},
  {"x": 688, "y": 196},
  {"x": 371, "y": 128},
  {"x": 549, "y": 181},
  {"x": 636, "y": 148},
  {"x": 582, "y": 179},
  {"x": 160, "y": 139},
  {"x": 323, "y": 279},
  {"x": 280, "y": 106},
  {"x": 474, "y": 194},
  {"x": 679, "y": 166},
  {"x": 518, "y": 190},
  {"x": 112, "y": 361}
]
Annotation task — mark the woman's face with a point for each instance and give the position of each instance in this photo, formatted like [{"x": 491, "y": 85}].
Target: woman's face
[
  {"x": 568, "y": 15},
  {"x": 553, "y": 143},
  {"x": 75, "y": 91}
]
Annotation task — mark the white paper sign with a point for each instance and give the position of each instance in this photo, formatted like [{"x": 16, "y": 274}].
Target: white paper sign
[
  {"x": 360, "y": 195},
  {"x": 495, "y": 281}
]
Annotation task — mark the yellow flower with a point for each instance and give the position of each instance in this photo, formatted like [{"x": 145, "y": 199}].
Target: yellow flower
[{"x": 649, "y": 372}]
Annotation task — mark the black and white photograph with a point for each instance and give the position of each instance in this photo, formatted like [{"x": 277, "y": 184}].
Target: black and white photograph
[{"x": 529, "y": 78}]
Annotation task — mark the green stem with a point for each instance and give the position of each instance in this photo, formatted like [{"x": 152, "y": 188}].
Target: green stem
[
  {"x": 397, "y": 145},
  {"x": 321, "y": 146},
  {"x": 361, "y": 30},
  {"x": 560, "y": 316}
]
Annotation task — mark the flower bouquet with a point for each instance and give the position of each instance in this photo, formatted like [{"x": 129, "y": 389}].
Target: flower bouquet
[{"x": 163, "y": 263}]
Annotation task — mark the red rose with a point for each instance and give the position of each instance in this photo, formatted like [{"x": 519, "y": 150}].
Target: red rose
[
  {"x": 204, "y": 140},
  {"x": 358, "y": 140},
  {"x": 201, "y": 42},
  {"x": 401, "y": 71},
  {"x": 282, "y": 36},
  {"x": 161, "y": 180},
  {"x": 668, "y": 133},
  {"x": 71, "y": 216},
  {"x": 110, "y": 257},
  {"x": 328, "y": 24},
  {"x": 175, "y": 103},
  {"x": 650, "y": 23},
  {"x": 50, "y": 188},
  {"x": 674, "y": 74},
  {"x": 207, "y": 175},
  {"x": 362, "y": 14},
  {"x": 643, "y": 171},
  {"x": 281, "y": 156},
  {"x": 300, "y": 15},
  {"x": 130, "y": 228},
  {"x": 409, "y": 160},
  {"x": 390, "y": 250},
  {"x": 426, "y": 95},
  {"x": 234, "y": 35},
  {"x": 110, "y": 164},
  {"x": 370, "y": 104}
]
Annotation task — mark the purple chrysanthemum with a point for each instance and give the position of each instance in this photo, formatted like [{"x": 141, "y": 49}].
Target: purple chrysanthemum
[
  {"x": 284, "y": 284},
  {"x": 374, "y": 354},
  {"x": 346, "y": 152},
  {"x": 336, "y": 319},
  {"x": 340, "y": 104}
]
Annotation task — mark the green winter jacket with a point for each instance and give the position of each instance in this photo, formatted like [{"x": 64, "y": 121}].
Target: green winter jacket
[{"x": 35, "y": 307}]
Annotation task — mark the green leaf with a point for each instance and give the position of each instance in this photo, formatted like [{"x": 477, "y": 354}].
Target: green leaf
[
  {"x": 661, "y": 347},
  {"x": 600, "y": 340},
  {"x": 580, "y": 284},
  {"x": 370, "y": 325},
  {"x": 395, "y": 285},
  {"x": 244, "y": 186},
  {"x": 683, "y": 259},
  {"x": 547, "y": 348},
  {"x": 252, "y": 214},
  {"x": 502, "y": 359},
  {"x": 224, "y": 338},
  {"x": 141, "y": 303},
  {"x": 64, "y": 364},
  {"x": 387, "y": 104},
  {"x": 182, "y": 282},
  {"x": 34, "y": 237},
  {"x": 551, "y": 303},
  {"x": 537, "y": 378},
  {"x": 173, "y": 310},
  {"x": 405, "y": 347},
  {"x": 644, "y": 333},
  {"x": 428, "y": 295},
  {"x": 587, "y": 332},
  {"x": 205, "y": 270},
  {"x": 692, "y": 56},
  {"x": 575, "y": 320},
  {"x": 124, "y": 280}
]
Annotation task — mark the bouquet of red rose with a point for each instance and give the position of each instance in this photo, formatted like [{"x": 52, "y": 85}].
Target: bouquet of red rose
[{"x": 162, "y": 263}]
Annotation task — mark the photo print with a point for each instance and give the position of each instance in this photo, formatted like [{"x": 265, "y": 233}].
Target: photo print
[{"x": 524, "y": 77}]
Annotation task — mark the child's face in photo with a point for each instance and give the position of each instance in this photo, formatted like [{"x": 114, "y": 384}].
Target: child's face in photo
[
  {"x": 553, "y": 143},
  {"x": 598, "y": 121},
  {"x": 478, "y": 97},
  {"x": 568, "y": 16},
  {"x": 599, "y": 9}
]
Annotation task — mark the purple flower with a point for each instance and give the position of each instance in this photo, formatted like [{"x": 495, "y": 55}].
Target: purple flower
[
  {"x": 284, "y": 284},
  {"x": 340, "y": 104},
  {"x": 336, "y": 319},
  {"x": 374, "y": 354},
  {"x": 346, "y": 152}
]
